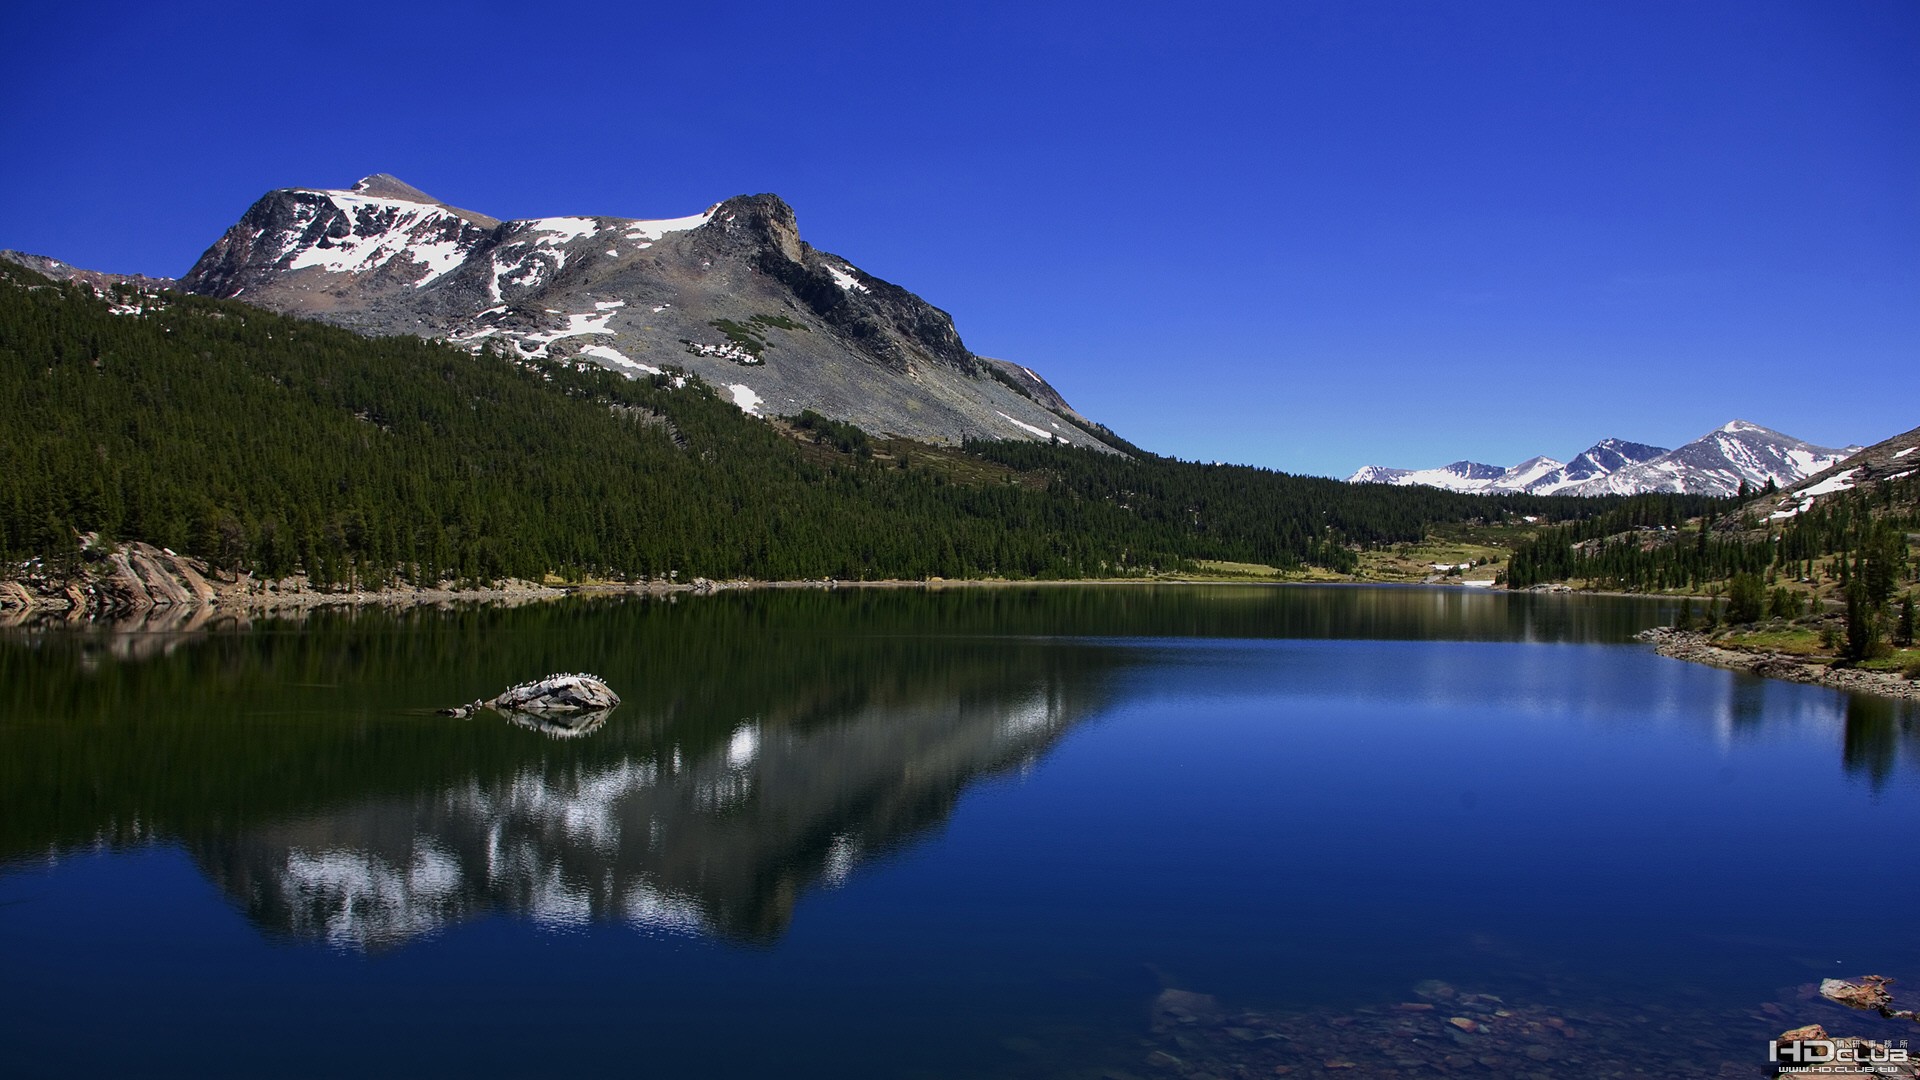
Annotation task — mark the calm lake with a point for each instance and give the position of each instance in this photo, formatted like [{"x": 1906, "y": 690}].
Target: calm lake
[{"x": 978, "y": 832}]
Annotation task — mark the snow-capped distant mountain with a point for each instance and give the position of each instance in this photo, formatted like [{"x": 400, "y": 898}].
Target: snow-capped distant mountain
[
  {"x": 731, "y": 294},
  {"x": 1459, "y": 476},
  {"x": 1537, "y": 475},
  {"x": 1529, "y": 473},
  {"x": 1717, "y": 463},
  {"x": 1720, "y": 462},
  {"x": 1600, "y": 460}
]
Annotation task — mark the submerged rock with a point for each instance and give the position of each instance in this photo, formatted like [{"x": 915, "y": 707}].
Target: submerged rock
[
  {"x": 1174, "y": 1007},
  {"x": 1869, "y": 993}
]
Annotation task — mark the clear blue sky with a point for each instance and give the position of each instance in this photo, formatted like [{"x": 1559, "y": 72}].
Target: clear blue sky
[{"x": 1307, "y": 235}]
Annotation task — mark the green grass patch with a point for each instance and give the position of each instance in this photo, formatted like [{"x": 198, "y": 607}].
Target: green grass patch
[
  {"x": 1240, "y": 570},
  {"x": 950, "y": 464},
  {"x": 1416, "y": 562},
  {"x": 1902, "y": 660},
  {"x": 740, "y": 335},
  {"x": 1794, "y": 640}
]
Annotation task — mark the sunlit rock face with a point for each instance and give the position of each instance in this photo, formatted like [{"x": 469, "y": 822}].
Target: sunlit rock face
[{"x": 721, "y": 840}]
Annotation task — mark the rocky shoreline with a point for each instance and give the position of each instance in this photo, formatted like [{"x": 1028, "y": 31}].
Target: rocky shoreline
[
  {"x": 138, "y": 585},
  {"x": 139, "y": 582},
  {"x": 1696, "y": 647}
]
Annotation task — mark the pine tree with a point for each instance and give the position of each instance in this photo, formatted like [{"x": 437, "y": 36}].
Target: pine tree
[
  {"x": 1862, "y": 635},
  {"x": 1746, "y": 598}
]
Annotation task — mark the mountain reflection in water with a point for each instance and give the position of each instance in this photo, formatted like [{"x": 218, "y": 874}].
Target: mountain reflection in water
[
  {"x": 722, "y": 839},
  {"x": 766, "y": 744}
]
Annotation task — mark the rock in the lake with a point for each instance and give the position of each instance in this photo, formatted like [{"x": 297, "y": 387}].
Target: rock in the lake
[
  {"x": 558, "y": 693},
  {"x": 555, "y": 693}
]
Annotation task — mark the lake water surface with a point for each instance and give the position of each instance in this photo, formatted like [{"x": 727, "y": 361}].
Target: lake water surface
[{"x": 979, "y": 832}]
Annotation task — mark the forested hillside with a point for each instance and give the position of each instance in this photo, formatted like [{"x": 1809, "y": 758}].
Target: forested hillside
[
  {"x": 1850, "y": 550},
  {"x": 275, "y": 445},
  {"x": 1644, "y": 545}
]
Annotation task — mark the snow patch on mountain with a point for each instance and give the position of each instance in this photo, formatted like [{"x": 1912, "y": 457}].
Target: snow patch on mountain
[
  {"x": 655, "y": 230},
  {"x": 610, "y": 356},
  {"x": 1040, "y": 433},
  {"x": 1840, "y": 481},
  {"x": 378, "y": 231},
  {"x": 534, "y": 343},
  {"x": 744, "y": 397},
  {"x": 843, "y": 277}
]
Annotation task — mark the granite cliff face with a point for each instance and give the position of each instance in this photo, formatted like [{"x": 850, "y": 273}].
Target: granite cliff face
[{"x": 732, "y": 294}]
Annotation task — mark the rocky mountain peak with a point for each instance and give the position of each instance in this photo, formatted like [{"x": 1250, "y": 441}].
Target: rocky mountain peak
[
  {"x": 386, "y": 242},
  {"x": 731, "y": 294},
  {"x": 1474, "y": 470},
  {"x": 388, "y": 186},
  {"x": 765, "y": 219}
]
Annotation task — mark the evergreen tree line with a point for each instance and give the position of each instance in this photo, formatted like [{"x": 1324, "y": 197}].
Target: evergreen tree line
[
  {"x": 1243, "y": 513},
  {"x": 275, "y": 445}
]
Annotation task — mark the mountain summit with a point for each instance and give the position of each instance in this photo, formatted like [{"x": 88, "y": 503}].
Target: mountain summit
[
  {"x": 732, "y": 294},
  {"x": 1717, "y": 463}
]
